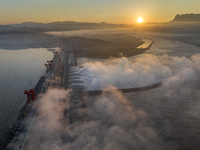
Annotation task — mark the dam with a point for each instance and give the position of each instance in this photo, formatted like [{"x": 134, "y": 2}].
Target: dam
[{"x": 65, "y": 68}]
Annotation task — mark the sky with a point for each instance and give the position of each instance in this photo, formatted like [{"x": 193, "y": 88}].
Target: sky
[{"x": 112, "y": 11}]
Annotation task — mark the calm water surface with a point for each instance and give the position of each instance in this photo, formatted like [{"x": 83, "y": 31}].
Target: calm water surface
[{"x": 19, "y": 71}]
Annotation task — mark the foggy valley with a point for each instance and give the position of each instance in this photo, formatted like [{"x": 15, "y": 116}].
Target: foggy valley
[{"x": 103, "y": 56}]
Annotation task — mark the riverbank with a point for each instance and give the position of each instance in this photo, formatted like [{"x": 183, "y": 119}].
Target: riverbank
[{"x": 103, "y": 49}]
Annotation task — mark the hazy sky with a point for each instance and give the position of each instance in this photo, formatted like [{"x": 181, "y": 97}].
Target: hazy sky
[{"x": 111, "y": 11}]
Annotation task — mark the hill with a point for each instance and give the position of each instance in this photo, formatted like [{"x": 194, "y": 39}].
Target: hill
[
  {"x": 31, "y": 27},
  {"x": 187, "y": 18}
]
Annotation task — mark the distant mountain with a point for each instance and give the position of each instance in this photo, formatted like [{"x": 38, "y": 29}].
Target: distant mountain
[
  {"x": 32, "y": 27},
  {"x": 187, "y": 18}
]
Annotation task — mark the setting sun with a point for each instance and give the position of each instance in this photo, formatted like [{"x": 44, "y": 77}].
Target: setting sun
[{"x": 140, "y": 20}]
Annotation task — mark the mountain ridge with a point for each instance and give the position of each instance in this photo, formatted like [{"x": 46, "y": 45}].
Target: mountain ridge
[
  {"x": 29, "y": 27},
  {"x": 187, "y": 18}
]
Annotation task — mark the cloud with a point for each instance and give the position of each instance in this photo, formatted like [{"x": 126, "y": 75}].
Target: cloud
[
  {"x": 114, "y": 124},
  {"x": 48, "y": 121},
  {"x": 163, "y": 118},
  {"x": 142, "y": 71}
]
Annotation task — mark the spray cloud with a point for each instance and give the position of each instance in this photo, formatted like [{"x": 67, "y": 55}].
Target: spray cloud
[{"x": 162, "y": 118}]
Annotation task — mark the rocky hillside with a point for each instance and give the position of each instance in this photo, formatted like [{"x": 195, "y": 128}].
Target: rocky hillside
[{"x": 187, "y": 18}]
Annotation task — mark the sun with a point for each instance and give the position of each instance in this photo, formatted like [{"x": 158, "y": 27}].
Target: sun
[{"x": 140, "y": 20}]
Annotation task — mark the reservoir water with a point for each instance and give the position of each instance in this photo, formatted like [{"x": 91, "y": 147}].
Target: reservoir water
[{"x": 19, "y": 71}]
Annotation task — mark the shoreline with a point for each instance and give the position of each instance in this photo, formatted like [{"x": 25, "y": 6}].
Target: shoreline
[{"x": 136, "y": 51}]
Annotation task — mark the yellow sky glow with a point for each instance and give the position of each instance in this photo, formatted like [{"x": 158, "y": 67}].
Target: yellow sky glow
[{"x": 119, "y": 12}]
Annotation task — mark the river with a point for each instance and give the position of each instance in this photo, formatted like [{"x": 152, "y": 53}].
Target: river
[{"x": 166, "y": 117}]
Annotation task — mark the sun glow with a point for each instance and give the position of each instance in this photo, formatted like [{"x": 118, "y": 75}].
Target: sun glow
[{"x": 139, "y": 20}]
